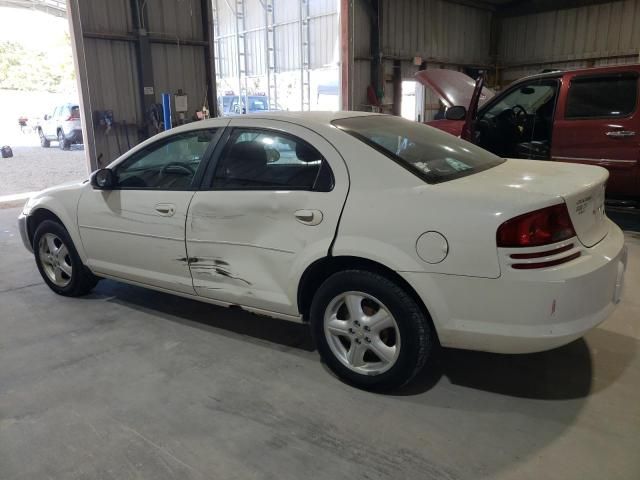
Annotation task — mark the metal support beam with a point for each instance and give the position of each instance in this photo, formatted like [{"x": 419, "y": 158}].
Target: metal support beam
[
  {"x": 79, "y": 59},
  {"x": 270, "y": 45},
  {"x": 209, "y": 60},
  {"x": 145, "y": 64},
  {"x": 305, "y": 54},
  {"x": 346, "y": 50}
]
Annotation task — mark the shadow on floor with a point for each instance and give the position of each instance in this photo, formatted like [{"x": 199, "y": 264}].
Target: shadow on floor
[{"x": 563, "y": 373}]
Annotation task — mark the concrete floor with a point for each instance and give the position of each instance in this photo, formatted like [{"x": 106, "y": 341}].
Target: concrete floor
[{"x": 128, "y": 383}]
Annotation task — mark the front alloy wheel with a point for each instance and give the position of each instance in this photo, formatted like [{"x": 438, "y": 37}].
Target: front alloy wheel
[
  {"x": 362, "y": 333},
  {"x": 58, "y": 261},
  {"x": 55, "y": 259}
]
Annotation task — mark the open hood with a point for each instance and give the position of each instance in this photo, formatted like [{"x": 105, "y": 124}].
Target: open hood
[{"x": 453, "y": 88}]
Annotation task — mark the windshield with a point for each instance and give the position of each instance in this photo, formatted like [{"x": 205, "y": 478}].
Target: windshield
[
  {"x": 431, "y": 154},
  {"x": 529, "y": 97}
]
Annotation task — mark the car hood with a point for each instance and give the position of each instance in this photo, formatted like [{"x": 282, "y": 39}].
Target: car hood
[{"x": 454, "y": 88}]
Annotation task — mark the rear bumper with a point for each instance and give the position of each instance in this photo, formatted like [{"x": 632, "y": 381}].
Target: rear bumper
[
  {"x": 531, "y": 311},
  {"x": 74, "y": 136}
]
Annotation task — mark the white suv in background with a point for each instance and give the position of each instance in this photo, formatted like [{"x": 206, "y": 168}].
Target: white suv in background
[{"x": 63, "y": 126}]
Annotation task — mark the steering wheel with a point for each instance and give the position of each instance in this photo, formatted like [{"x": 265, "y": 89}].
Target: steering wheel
[
  {"x": 520, "y": 113},
  {"x": 177, "y": 168}
]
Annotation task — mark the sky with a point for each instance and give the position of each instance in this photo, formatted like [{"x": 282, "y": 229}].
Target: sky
[{"x": 32, "y": 28}]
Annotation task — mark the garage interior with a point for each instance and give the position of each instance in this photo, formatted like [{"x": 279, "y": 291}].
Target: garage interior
[{"x": 132, "y": 383}]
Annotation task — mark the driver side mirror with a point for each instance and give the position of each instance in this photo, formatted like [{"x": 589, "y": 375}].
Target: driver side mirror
[
  {"x": 103, "y": 179},
  {"x": 456, "y": 113},
  {"x": 47, "y": 116}
]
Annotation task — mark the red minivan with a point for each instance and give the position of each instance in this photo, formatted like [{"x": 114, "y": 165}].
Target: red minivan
[{"x": 583, "y": 116}]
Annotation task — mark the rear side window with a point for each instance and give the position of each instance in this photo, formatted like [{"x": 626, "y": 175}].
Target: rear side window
[
  {"x": 606, "y": 96},
  {"x": 431, "y": 154},
  {"x": 255, "y": 159}
]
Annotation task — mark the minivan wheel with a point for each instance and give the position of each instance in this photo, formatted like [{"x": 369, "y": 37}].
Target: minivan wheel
[
  {"x": 63, "y": 143},
  {"x": 44, "y": 143},
  {"x": 59, "y": 262},
  {"x": 369, "y": 330}
]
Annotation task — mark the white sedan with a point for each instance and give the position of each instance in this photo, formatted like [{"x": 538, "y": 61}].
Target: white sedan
[{"x": 389, "y": 237}]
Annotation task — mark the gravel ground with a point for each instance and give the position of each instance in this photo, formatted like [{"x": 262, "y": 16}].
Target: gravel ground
[{"x": 34, "y": 168}]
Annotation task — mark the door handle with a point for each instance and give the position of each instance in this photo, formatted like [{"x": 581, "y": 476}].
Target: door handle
[
  {"x": 309, "y": 217},
  {"x": 165, "y": 209},
  {"x": 620, "y": 133}
]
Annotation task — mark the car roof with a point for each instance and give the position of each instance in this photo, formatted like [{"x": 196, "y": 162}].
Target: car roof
[
  {"x": 305, "y": 119},
  {"x": 590, "y": 70}
]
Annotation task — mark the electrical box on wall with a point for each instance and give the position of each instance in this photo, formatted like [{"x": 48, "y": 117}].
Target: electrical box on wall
[{"x": 181, "y": 103}]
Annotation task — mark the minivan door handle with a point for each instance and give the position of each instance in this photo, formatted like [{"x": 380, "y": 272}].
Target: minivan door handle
[
  {"x": 309, "y": 217},
  {"x": 166, "y": 209},
  {"x": 620, "y": 133}
]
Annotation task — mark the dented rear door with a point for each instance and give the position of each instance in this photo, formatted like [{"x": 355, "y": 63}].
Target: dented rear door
[{"x": 248, "y": 243}]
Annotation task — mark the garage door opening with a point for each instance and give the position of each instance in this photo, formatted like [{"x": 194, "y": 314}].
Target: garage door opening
[{"x": 39, "y": 114}]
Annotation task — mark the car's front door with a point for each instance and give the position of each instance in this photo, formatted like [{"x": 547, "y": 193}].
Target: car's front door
[
  {"x": 137, "y": 230},
  {"x": 598, "y": 123},
  {"x": 272, "y": 205}
]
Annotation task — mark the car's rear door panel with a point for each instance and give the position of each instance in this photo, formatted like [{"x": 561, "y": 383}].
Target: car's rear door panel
[
  {"x": 611, "y": 142},
  {"x": 250, "y": 247}
]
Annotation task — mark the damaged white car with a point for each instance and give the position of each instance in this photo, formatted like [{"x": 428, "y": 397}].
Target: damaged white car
[{"x": 389, "y": 237}]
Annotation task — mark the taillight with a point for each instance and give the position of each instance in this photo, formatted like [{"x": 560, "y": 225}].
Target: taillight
[{"x": 540, "y": 227}]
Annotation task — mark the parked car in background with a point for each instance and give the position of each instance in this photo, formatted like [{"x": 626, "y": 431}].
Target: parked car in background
[
  {"x": 231, "y": 105},
  {"x": 388, "y": 236},
  {"x": 61, "y": 125},
  {"x": 587, "y": 116}
]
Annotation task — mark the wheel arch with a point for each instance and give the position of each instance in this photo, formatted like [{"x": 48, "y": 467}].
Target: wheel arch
[
  {"x": 321, "y": 269},
  {"x": 38, "y": 216}
]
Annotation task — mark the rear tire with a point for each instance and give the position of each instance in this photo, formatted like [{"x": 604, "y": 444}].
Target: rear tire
[
  {"x": 63, "y": 143},
  {"x": 44, "y": 143},
  {"x": 59, "y": 263},
  {"x": 384, "y": 344}
]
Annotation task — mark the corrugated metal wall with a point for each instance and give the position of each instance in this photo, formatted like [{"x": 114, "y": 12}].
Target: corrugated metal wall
[
  {"x": 435, "y": 29},
  {"x": 570, "y": 38},
  {"x": 323, "y": 35},
  {"x": 177, "y": 54},
  {"x": 445, "y": 33}
]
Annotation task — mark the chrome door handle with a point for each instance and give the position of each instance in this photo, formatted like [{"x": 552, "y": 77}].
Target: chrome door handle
[
  {"x": 165, "y": 209},
  {"x": 309, "y": 217},
  {"x": 620, "y": 133}
]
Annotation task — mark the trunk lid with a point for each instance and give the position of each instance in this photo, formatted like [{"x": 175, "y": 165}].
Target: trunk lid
[
  {"x": 580, "y": 186},
  {"x": 454, "y": 88}
]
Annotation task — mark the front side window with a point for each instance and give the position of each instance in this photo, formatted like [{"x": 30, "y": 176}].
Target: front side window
[
  {"x": 263, "y": 159},
  {"x": 169, "y": 164},
  {"x": 602, "y": 96},
  {"x": 431, "y": 154}
]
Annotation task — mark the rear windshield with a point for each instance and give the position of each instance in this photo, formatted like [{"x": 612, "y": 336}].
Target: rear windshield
[{"x": 431, "y": 154}]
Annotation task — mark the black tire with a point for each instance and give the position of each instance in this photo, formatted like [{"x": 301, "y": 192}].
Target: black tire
[
  {"x": 82, "y": 280},
  {"x": 63, "y": 143},
  {"x": 44, "y": 143},
  {"x": 418, "y": 337}
]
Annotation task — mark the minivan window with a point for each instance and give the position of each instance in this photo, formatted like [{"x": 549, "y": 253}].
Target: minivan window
[
  {"x": 602, "y": 96},
  {"x": 431, "y": 154}
]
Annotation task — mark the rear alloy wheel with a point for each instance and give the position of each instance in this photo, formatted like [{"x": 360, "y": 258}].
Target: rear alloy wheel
[
  {"x": 59, "y": 262},
  {"x": 361, "y": 333},
  {"x": 63, "y": 143},
  {"x": 44, "y": 143},
  {"x": 369, "y": 330}
]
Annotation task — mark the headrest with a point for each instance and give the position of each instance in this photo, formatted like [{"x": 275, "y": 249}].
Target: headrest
[
  {"x": 249, "y": 153},
  {"x": 307, "y": 153}
]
